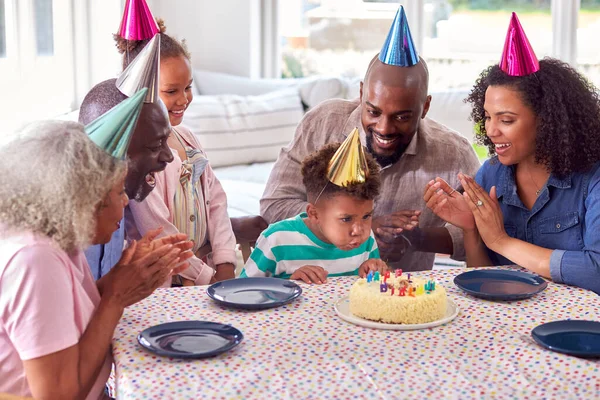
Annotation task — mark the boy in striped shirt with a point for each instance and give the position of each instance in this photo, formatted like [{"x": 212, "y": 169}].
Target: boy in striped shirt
[{"x": 332, "y": 238}]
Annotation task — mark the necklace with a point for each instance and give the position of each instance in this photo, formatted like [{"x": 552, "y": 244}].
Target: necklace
[{"x": 538, "y": 190}]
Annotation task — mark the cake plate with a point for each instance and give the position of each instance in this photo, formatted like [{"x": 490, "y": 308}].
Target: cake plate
[{"x": 342, "y": 309}]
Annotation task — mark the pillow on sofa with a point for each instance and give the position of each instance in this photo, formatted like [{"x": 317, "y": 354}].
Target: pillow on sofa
[
  {"x": 244, "y": 129},
  {"x": 313, "y": 90}
]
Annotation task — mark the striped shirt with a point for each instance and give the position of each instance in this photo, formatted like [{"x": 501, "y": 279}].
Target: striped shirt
[{"x": 288, "y": 245}]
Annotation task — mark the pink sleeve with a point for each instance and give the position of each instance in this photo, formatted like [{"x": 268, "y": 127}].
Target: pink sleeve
[
  {"x": 222, "y": 238},
  {"x": 154, "y": 212},
  {"x": 37, "y": 303}
]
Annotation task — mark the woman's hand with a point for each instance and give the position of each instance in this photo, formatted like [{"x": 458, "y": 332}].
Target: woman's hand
[
  {"x": 224, "y": 271},
  {"x": 133, "y": 280},
  {"x": 310, "y": 274},
  {"x": 149, "y": 242},
  {"x": 372, "y": 264},
  {"x": 486, "y": 211},
  {"x": 448, "y": 204}
]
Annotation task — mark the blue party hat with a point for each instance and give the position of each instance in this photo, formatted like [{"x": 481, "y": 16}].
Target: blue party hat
[{"x": 399, "y": 48}]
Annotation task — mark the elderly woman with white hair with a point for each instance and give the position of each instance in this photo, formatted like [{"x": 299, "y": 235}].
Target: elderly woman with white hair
[{"x": 59, "y": 193}]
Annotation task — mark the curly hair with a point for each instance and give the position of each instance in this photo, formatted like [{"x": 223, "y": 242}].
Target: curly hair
[
  {"x": 567, "y": 109},
  {"x": 314, "y": 176},
  {"x": 169, "y": 46},
  {"x": 52, "y": 180}
]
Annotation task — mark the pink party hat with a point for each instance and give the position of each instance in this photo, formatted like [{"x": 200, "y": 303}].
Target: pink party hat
[
  {"x": 518, "y": 58},
  {"x": 138, "y": 22}
]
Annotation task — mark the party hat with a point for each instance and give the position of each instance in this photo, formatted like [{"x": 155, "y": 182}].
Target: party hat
[
  {"x": 349, "y": 164},
  {"x": 142, "y": 72},
  {"x": 113, "y": 130},
  {"x": 138, "y": 22},
  {"x": 399, "y": 48},
  {"x": 518, "y": 58}
]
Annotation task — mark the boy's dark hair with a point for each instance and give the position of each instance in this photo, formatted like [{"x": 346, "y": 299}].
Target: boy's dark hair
[
  {"x": 169, "y": 47},
  {"x": 314, "y": 177},
  {"x": 567, "y": 109}
]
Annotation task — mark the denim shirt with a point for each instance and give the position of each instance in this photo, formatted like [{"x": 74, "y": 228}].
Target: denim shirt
[
  {"x": 102, "y": 257},
  {"x": 565, "y": 218}
]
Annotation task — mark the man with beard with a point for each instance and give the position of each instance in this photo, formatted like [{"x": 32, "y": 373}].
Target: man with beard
[
  {"x": 147, "y": 154},
  {"x": 410, "y": 148}
]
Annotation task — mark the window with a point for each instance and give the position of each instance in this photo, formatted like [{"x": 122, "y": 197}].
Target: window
[
  {"x": 332, "y": 37},
  {"x": 588, "y": 31},
  {"x": 44, "y": 34},
  {"x": 463, "y": 37},
  {"x": 36, "y": 74},
  {"x": 457, "y": 38},
  {"x": 2, "y": 30}
]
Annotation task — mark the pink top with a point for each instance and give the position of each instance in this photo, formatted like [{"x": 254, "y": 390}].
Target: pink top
[
  {"x": 156, "y": 211},
  {"x": 46, "y": 302}
]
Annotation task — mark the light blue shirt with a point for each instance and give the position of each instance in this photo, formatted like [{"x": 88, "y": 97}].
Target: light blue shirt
[
  {"x": 565, "y": 218},
  {"x": 102, "y": 257}
]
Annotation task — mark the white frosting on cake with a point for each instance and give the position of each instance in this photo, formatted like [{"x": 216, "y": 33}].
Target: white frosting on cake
[{"x": 367, "y": 301}]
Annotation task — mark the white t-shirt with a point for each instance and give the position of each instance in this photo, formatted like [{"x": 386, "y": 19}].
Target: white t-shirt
[{"x": 47, "y": 299}]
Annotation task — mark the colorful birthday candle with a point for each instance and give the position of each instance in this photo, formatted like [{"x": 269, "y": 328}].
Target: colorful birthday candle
[
  {"x": 369, "y": 276},
  {"x": 376, "y": 276},
  {"x": 392, "y": 290},
  {"x": 383, "y": 287},
  {"x": 420, "y": 290},
  {"x": 398, "y": 273},
  {"x": 410, "y": 291}
]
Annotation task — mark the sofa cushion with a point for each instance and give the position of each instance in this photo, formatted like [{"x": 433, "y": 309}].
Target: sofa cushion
[
  {"x": 313, "y": 90},
  {"x": 244, "y": 129}
]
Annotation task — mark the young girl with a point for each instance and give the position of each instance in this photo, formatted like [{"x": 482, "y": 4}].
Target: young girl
[{"x": 188, "y": 197}]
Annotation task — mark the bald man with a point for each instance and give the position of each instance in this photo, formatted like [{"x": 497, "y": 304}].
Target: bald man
[
  {"x": 410, "y": 148},
  {"x": 147, "y": 154}
]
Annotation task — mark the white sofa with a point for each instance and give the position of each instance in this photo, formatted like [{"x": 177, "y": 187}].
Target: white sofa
[{"x": 251, "y": 108}]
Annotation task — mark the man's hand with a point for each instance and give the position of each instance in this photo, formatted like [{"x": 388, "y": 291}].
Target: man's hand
[
  {"x": 248, "y": 229},
  {"x": 372, "y": 264},
  {"x": 310, "y": 274},
  {"x": 390, "y": 233}
]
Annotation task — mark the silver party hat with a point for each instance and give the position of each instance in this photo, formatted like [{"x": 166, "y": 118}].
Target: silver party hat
[{"x": 143, "y": 72}]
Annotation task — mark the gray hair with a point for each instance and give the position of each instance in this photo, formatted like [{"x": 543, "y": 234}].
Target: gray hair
[{"x": 52, "y": 180}]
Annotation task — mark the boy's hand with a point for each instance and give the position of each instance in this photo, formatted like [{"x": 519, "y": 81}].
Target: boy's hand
[
  {"x": 372, "y": 264},
  {"x": 310, "y": 274}
]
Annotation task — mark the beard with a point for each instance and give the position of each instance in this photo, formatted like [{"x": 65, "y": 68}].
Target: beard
[{"x": 384, "y": 160}]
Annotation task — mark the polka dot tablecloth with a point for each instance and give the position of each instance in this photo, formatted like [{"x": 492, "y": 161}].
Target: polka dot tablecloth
[{"x": 305, "y": 351}]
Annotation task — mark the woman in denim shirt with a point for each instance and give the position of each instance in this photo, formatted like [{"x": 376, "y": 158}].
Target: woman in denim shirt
[{"x": 536, "y": 202}]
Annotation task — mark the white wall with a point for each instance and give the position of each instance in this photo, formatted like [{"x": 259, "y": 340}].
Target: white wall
[{"x": 222, "y": 35}]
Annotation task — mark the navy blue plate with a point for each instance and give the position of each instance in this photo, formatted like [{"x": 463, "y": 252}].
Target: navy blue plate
[
  {"x": 500, "y": 284},
  {"x": 254, "y": 293},
  {"x": 190, "y": 339},
  {"x": 574, "y": 337}
]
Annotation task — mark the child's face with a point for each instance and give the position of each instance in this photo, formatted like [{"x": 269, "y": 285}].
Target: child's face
[
  {"x": 176, "y": 86},
  {"x": 343, "y": 220}
]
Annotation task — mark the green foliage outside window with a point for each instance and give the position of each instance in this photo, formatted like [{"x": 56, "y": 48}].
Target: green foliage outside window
[{"x": 516, "y": 5}]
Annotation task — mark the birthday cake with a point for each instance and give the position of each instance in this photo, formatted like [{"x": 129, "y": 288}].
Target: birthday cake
[{"x": 397, "y": 299}]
